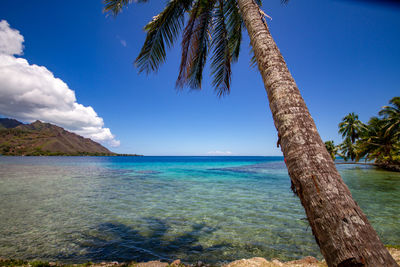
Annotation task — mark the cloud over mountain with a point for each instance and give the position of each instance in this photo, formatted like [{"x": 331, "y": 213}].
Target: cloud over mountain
[{"x": 29, "y": 92}]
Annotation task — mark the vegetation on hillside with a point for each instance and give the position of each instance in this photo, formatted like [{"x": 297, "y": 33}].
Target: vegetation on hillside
[{"x": 45, "y": 139}]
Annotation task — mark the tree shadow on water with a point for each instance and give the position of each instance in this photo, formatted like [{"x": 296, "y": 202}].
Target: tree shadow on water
[{"x": 113, "y": 241}]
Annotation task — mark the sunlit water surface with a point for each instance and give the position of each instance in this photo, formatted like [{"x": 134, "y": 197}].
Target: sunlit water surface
[{"x": 210, "y": 209}]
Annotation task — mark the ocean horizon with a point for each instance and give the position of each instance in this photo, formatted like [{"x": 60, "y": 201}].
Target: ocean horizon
[{"x": 212, "y": 209}]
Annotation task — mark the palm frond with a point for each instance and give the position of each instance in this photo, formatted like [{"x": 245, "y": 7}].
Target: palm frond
[
  {"x": 387, "y": 111},
  {"x": 395, "y": 101},
  {"x": 351, "y": 127},
  {"x": 253, "y": 59},
  {"x": 161, "y": 31},
  {"x": 200, "y": 45},
  {"x": 115, "y": 6},
  {"x": 221, "y": 59},
  {"x": 391, "y": 117},
  {"x": 234, "y": 23},
  {"x": 195, "y": 45},
  {"x": 186, "y": 41}
]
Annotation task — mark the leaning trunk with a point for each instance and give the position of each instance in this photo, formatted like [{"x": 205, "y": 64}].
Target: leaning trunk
[{"x": 340, "y": 228}]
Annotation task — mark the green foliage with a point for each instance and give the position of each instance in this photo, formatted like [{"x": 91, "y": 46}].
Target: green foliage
[
  {"x": 221, "y": 60},
  {"x": 23, "y": 142},
  {"x": 12, "y": 262},
  {"x": 115, "y": 6},
  {"x": 196, "y": 39},
  {"x": 332, "y": 149},
  {"x": 351, "y": 127},
  {"x": 348, "y": 150},
  {"x": 39, "y": 264},
  {"x": 234, "y": 24},
  {"x": 391, "y": 116},
  {"x": 5, "y": 148},
  {"x": 378, "y": 141},
  {"x": 161, "y": 31},
  {"x": 393, "y": 246},
  {"x": 212, "y": 26}
]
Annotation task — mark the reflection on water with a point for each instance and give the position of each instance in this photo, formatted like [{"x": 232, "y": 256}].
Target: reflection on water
[{"x": 211, "y": 209}]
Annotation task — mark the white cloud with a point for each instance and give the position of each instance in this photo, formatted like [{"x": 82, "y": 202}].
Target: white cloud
[
  {"x": 219, "y": 153},
  {"x": 10, "y": 40},
  {"x": 30, "y": 92}
]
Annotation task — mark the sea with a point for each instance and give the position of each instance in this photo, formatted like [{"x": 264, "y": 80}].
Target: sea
[{"x": 208, "y": 209}]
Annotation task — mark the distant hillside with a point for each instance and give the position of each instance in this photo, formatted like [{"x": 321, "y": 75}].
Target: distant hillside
[
  {"x": 8, "y": 123},
  {"x": 40, "y": 138}
]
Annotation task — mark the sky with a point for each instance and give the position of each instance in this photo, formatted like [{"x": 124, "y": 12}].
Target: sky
[{"x": 67, "y": 63}]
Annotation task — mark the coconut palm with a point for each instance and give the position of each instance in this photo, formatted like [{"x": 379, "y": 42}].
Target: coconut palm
[
  {"x": 341, "y": 229},
  {"x": 332, "y": 149},
  {"x": 350, "y": 127},
  {"x": 348, "y": 150},
  {"x": 375, "y": 144},
  {"x": 391, "y": 115}
]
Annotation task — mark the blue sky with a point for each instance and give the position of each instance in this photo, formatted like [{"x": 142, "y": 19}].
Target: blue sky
[{"x": 344, "y": 56}]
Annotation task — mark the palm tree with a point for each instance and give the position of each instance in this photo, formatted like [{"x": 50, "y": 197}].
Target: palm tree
[
  {"x": 373, "y": 144},
  {"x": 350, "y": 127},
  {"x": 332, "y": 149},
  {"x": 341, "y": 229},
  {"x": 348, "y": 150},
  {"x": 376, "y": 144},
  {"x": 391, "y": 115}
]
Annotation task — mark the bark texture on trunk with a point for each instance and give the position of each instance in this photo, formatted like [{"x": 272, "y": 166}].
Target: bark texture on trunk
[{"x": 341, "y": 229}]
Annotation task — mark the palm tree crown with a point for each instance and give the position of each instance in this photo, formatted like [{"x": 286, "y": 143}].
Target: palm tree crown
[
  {"x": 212, "y": 26},
  {"x": 332, "y": 149},
  {"x": 391, "y": 116},
  {"x": 381, "y": 139},
  {"x": 374, "y": 142},
  {"x": 351, "y": 127}
]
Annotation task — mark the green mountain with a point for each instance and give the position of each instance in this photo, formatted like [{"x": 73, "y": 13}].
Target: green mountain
[
  {"x": 40, "y": 138},
  {"x": 8, "y": 123}
]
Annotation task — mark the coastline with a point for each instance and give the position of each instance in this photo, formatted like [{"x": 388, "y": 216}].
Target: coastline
[
  {"x": 386, "y": 167},
  {"x": 252, "y": 262},
  {"x": 191, "y": 232}
]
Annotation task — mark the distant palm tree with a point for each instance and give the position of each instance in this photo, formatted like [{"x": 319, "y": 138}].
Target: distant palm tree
[
  {"x": 391, "y": 115},
  {"x": 351, "y": 127},
  {"x": 332, "y": 149},
  {"x": 348, "y": 150},
  {"x": 340, "y": 227},
  {"x": 374, "y": 144},
  {"x": 381, "y": 139}
]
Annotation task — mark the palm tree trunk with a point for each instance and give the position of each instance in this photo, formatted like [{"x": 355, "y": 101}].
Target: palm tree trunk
[{"x": 340, "y": 228}]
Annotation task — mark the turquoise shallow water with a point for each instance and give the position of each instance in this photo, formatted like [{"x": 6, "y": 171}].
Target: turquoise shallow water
[{"x": 212, "y": 209}]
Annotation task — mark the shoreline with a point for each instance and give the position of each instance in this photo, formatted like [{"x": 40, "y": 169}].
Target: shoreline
[
  {"x": 308, "y": 261},
  {"x": 357, "y": 163},
  {"x": 386, "y": 167}
]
